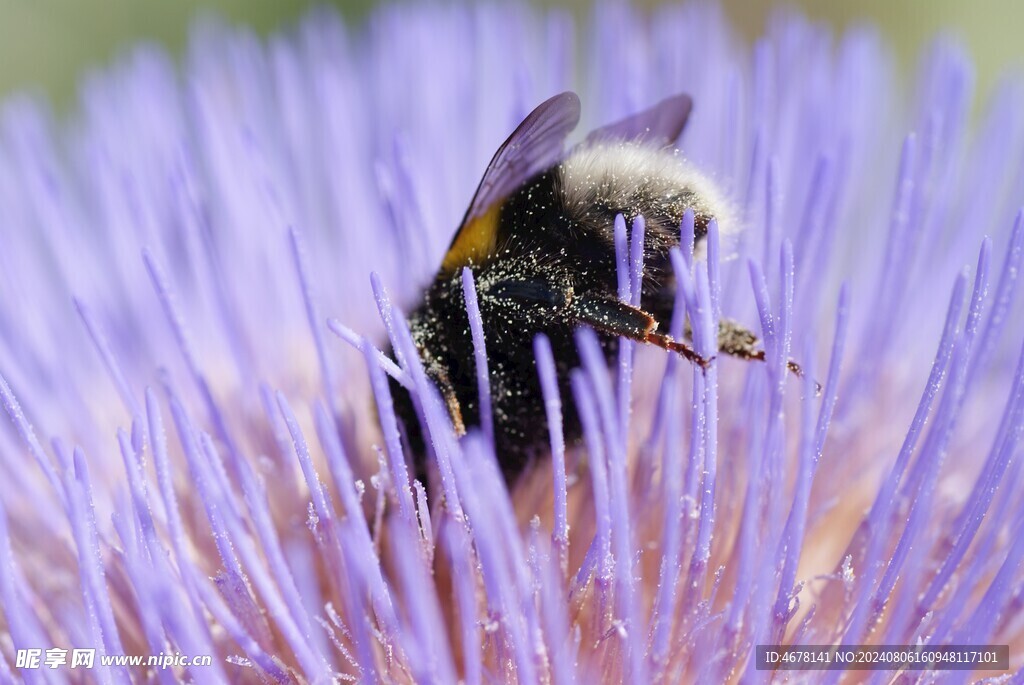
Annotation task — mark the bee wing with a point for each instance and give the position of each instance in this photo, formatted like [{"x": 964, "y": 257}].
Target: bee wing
[
  {"x": 661, "y": 124},
  {"x": 535, "y": 145}
]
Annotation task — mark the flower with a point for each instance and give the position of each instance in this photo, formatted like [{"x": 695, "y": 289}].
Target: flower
[{"x": 197, "y": 466}]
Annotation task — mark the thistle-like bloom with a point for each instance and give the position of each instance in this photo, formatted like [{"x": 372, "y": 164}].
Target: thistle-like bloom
[{"x": 196, "y": 464}]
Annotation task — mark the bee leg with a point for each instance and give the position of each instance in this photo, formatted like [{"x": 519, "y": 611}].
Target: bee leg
[
  {"x": 437, "y": 373},
  {"x": 602, "y": 313},
  {"x": 737, "y": 341},
  {"x": 678, "y": 346},
  {"x": 615, "y": 317}
]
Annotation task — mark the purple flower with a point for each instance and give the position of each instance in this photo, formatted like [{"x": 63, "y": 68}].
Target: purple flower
[{"x": 196, "y": 465}]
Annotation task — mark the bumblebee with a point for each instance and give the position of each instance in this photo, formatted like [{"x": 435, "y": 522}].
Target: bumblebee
[{"x": 538, "y": 238}]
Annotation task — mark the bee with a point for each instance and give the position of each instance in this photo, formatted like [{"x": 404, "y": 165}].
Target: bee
[{"x": 538, "y": 239}]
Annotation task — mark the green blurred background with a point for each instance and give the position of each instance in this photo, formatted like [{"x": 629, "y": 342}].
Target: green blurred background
[{"x": 45, "y": 45}]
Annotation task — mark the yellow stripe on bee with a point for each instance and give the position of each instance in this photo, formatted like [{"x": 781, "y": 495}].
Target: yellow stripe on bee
[{"x": 476, "y": 242}]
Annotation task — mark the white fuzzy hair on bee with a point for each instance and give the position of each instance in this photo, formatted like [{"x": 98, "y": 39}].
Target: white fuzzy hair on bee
[{"x": 637, "y": 174}]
